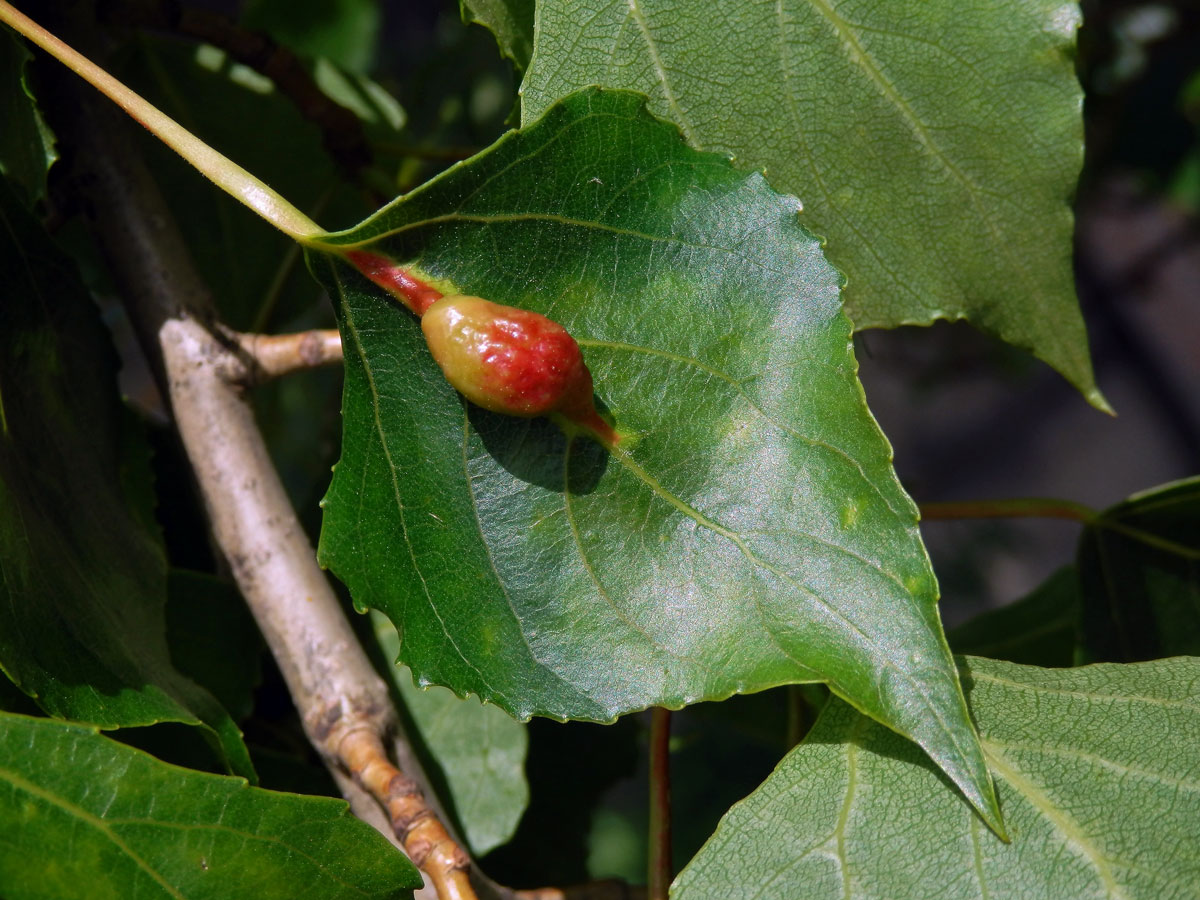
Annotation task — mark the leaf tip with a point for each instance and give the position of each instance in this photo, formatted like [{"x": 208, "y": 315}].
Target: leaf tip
[{"x": 1099, "y": 401}]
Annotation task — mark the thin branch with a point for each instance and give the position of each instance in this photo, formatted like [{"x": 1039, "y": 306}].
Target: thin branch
[
  {"x": 272, "y": 355},
  {"x": 343, "y": 703},
  {"x": 425, "y": 839},
  {"x": 660, "y": 868},
  {"x": 1018, "y": 508}
]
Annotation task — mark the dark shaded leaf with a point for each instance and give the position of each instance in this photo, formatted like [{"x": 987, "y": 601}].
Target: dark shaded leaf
[
  {"x": 214, "y": 639},
  {"x": 83, "y": 572},
  {"x": 1039, "y": 629},
  {"x": 253, "y": 270},
  {"x": 26, "y": 143},
  {"x": 345, "y": 31},
  {"x": 1139, "y": 569}
]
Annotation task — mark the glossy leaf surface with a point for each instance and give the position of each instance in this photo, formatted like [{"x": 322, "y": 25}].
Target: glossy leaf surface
[
  {"x": 479, "y": 749},
  {"x": 748, "y": 532},
  {"x": 1096, "y": 770},
  {"x": 1139, "y": 569},
  {"x": 87, "y": 816},
  {"x": 935, "y": 145},
  {"x": 82, "y": 571}
]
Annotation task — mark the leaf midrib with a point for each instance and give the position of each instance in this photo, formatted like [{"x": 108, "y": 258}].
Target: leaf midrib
[{"x": 95, "y": 822}]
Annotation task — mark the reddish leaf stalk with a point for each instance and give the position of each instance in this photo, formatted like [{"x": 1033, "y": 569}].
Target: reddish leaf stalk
[
  {"x": 509, "y": 360},
  {"x": 395, "y": 279},
  {"x": 660, "y": 869},
  {"x": 1022, "y": 507}
]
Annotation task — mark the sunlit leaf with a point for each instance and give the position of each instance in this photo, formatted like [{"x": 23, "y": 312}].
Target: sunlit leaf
[
  {"x": 749, "y": 532},
  {"x": 935, "y": 145}
]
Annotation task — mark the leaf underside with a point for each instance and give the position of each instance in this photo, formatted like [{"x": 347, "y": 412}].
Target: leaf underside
[
  {"x": 509, "y": 21},
  {"x": 1096, "y": 769},
  {"x": 750, "y": 530},
  {"x": 935, "y": 145}
]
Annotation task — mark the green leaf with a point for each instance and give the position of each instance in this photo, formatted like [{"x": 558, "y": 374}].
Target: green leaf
[
  {"x": 480, "y": 750},
  {"x": 750, "y": 532},
  {"x": 214, "y": 639},
  {"x": 1139, "y": 567},
  {"x": 26, "y": 142},
  {"x": 1096, "y": 770},
  {"x": 87, "y": 816},
  {"x": 935, "y": 145},
  {"x": 82, "y": 574},
  {"x": 1039, "y": 629},
  {"x": 511, "y": 21}
]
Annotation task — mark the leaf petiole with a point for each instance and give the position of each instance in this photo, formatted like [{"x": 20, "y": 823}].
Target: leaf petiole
[
  {"x": 1016, "y": 508},
  {"x": 222, "y": 171}
]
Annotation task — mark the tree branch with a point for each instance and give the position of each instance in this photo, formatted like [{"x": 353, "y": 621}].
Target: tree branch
[
  {"x": 342, "y": 701},
  {"x": 1017, "y": 508},
  {"x": 343, "y": 704},
  {"x": 659, "y": 866},
  {"x": 272, "y": 355}
]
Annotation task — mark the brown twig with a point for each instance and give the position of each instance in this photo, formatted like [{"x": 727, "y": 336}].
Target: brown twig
[
  {"x": 660, "y": 868},
  {"x": 273, "y": 355},
  {"x": 1018, "y": 508},
  {"x": 425, "y": 839},
  {"x": 336, "y": 690}
]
